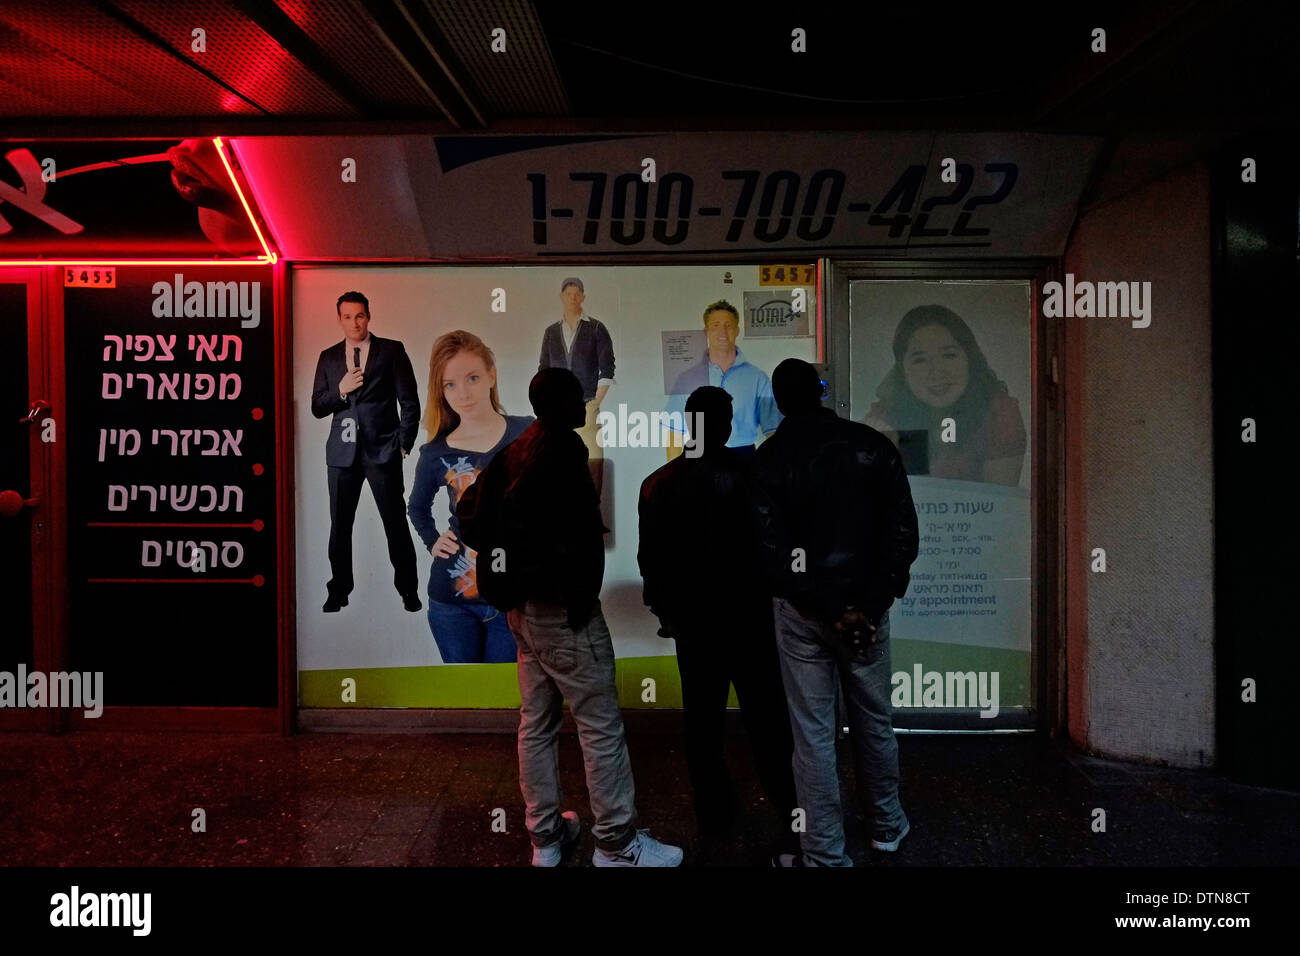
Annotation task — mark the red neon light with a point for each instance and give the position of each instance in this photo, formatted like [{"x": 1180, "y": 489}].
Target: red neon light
[
  {"x": 267, "y": 258},
  {"x": 221, "y": 151},
  {"x": 258, "y": 261}
]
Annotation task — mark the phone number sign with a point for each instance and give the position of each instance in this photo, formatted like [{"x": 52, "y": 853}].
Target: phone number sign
[{"x": 905, "y": 194}]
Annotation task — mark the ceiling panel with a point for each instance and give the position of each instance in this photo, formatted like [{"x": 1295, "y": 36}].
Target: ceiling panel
[
  {"x": 523, "y": 80},
  {"x": 78, "y": 62},
  {"x": 241, "y": 54},
  {"x": 672, "y": 63},
  {"x": 347, "y": 35}
]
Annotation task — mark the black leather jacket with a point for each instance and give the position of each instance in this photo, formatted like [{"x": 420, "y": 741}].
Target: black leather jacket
[{"x": 836, "y": 489}]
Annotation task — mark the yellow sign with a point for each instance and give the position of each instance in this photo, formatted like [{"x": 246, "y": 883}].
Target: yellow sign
[
  {"x": 90, "y": 277},
  {"x": 787, "y": 275}
]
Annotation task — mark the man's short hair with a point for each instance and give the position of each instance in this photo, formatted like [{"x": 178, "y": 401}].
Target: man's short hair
[
  {"x": 711, "y": 407},
  {"x": 352, "y": 297},
  {"x": 722, "y": 305},
  {"x": 796, "y": 386},
  {"x": 551, "y": 390}
]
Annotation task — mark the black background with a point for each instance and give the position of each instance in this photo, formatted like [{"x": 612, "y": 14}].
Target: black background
[{"x": 170, "y": 644}]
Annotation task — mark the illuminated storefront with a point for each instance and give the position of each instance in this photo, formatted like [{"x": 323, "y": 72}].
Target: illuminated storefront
[{"x": 906, "y": 266}]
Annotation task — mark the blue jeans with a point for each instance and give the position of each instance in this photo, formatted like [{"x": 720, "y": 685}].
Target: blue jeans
[
  {"x": 471, "y": 633},
  {"x": 811, "y": 673}
]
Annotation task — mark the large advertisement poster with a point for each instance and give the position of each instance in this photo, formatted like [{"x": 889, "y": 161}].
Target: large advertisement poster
[
  {"x": 639, "y": 327},
  {"x": 943, "y": 369}
]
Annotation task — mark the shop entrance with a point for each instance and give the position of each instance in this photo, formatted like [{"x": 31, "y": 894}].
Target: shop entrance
[{"x": 25, "y": 528}]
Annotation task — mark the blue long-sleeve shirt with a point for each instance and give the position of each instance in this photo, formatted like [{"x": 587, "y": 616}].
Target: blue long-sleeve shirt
[{"x": 441, "y": 466}]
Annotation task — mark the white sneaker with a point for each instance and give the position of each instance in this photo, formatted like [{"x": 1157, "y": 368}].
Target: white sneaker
[
  {"x": 645, "y": 850},
  {"x": 553, "y": 854}
]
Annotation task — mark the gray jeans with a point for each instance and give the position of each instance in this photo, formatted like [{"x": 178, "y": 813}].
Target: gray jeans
[
  {"x": 811, "y": 673},
  {"x": 557, "y": 664}
]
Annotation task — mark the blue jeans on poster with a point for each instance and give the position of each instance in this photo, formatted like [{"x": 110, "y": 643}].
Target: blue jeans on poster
[
  {"x": 810, "y": 673},
  {"x": 471, "y": 633}
]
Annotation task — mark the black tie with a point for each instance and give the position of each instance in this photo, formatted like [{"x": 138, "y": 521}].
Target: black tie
[{"x": 356, "y": 357}]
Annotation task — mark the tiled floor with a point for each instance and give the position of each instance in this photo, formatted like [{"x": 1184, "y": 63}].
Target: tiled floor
[{"x": 429, "y": 800}]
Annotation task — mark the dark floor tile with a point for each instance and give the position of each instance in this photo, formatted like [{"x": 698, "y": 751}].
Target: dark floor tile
[{"x": 428, "y": 800}]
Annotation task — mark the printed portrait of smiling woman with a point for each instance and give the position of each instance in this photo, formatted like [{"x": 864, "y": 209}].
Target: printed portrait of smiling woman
[{"x": 939, "y": 372}]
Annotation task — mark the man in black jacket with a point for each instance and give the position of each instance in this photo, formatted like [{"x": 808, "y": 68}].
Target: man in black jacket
[
  {"x": 363, "y": 381},
  {"x": 705, "y": 583},
  {"x": 534, "y": 519},
  {"x": 839, "y": 532}
]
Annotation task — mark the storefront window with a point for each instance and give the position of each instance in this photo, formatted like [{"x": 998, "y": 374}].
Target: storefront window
[{"x": 642, "y": 351}]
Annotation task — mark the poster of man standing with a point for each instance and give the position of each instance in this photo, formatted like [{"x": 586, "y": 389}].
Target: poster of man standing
[{"x": 363, "y": 381}]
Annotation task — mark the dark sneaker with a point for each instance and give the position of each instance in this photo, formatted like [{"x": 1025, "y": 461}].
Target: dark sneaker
[
  {"x": 887, "y": 840},
  {"x": 333, "y": 603},
  {"x": 411, "y": 602},
  {"x": 788, "y": 859}
]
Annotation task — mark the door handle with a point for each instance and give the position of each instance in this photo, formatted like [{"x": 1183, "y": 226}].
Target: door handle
[
  {"x": 38, "y": 406},
  {"x": 11, "y": 503}
]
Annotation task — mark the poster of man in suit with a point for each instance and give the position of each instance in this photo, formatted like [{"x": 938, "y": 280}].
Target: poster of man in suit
[{"x": 367, "y": 384}]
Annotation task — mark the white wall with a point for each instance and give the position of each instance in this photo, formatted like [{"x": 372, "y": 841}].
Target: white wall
[{"x": 1148, "y": 477}]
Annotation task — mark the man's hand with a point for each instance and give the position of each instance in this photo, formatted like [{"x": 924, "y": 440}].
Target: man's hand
[
  {"x": 350, "y": 382},
  {"x": 856, "y": 631}
]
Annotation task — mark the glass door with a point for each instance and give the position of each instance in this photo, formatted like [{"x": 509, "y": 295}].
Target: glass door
[{"x": 945, "y": 367}]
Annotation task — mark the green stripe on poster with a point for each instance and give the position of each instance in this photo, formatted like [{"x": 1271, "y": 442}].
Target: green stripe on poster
[
  {"x": 495, "y": 685},
  {"x": 474, "y": 685}
]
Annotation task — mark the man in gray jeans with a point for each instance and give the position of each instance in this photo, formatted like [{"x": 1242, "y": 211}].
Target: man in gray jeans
[
  {"x": 838, "y": 534},
  {"x": 538, "y": 497}
]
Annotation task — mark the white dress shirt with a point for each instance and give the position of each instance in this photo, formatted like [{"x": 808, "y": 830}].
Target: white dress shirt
[{"x": 348, "y": 353}]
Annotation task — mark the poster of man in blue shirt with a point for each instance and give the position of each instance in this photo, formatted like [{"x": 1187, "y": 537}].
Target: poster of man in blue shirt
[{"x": 724, "y": 365}]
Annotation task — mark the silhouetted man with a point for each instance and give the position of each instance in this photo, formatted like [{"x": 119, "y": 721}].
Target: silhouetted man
[
  {"x": 705, "y": 583},
  {"x": 363, "y": 381},
  {"x": 534, "y": 519},
  {"x": 839, "y": 533}
]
